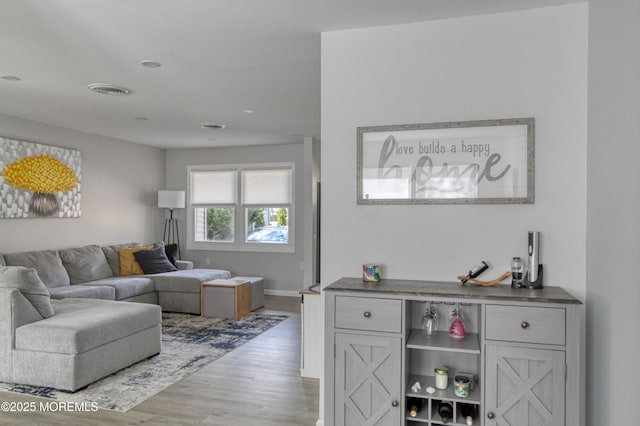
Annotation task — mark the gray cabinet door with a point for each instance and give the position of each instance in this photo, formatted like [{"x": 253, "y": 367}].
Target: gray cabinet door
[
  {"x": 368, "y": 379},
  {"x": 524, "y": 386}
]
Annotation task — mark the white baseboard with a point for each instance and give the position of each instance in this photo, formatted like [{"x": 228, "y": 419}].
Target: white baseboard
[{"x": 286, "y": 293}]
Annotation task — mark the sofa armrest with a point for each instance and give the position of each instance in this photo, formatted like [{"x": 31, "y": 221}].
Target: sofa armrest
[
  {"x": 15, "y": 311},
  {"x": 184, "y": 265}
]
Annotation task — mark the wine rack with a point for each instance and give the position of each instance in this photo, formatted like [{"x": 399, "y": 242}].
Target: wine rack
[{"x": 423, "y": 353}]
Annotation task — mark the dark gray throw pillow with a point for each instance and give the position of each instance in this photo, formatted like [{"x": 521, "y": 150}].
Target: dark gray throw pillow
[
  {"x": 154, "y": 261},
  {"x": 171, "y": 250}
]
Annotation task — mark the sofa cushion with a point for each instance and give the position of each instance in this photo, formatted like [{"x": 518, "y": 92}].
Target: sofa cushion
[
  {"x": 27, "y": 281},
  {"x": 187, "y": 281},
  {"x": 85, "y": 264},
  {"x": 128, "y": 263},
  {"x": 83, "y": 291},
  {"x": 126, "y": 287},
  {"x": 83, "y": 324},
  {"x": 46, "y": 262},
  {"x": 113, "y": 256},
  {"x": 154, "y": 261},
  {"x": 184, "y": 264}
]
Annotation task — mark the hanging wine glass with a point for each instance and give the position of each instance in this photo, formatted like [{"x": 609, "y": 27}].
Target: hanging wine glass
[
  {"x": 457, "y": 330},
  {"x": 429, "y": 320}
]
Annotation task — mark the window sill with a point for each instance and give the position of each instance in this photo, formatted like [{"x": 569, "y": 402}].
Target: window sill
[{"x": 248, "y": 248}]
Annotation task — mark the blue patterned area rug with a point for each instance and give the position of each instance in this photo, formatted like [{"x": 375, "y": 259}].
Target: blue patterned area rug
[{"x": 189, "y": 342}]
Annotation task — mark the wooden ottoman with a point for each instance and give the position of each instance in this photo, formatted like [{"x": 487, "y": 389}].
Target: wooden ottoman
[
  {"x": 257, "y": 291},
  {"x": 225, "y": 298}
]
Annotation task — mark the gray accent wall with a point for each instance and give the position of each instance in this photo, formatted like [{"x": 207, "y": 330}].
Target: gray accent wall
[
  {"x": 283, "y": 272},
  {"x": 613, "y": 211},
  {"x": 120, "y": 181}
]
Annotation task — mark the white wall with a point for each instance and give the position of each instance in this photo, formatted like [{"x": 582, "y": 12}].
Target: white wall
[
  {"x": 613, "y": 243},
  {"x": 282, "y": 271},
  {"x": 521, "y": 64},
  {"x": 120, "y": 181},
  {"x": 310, "y": 200}
]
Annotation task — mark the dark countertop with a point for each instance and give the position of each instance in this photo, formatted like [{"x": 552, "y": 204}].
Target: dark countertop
[{"x": 454, "y": 290}]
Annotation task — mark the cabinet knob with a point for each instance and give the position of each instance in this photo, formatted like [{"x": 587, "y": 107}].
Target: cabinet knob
[
  {"x": 367, "y": 314},
  {"x": 394, "y": 403},
  {"x": 490, "y": 415},
  {"x": 524, "y": 325}
]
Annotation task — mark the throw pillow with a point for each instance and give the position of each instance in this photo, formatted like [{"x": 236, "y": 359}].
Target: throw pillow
[
  {"x": 171, "y": 250},
  {"x": 85, "y": 264},
  {"x": 154, "y": 261},
  {"x": 113, "y": 257},
  {"x": 128, "y": 263},
  {"x": 28, "y": 282}
]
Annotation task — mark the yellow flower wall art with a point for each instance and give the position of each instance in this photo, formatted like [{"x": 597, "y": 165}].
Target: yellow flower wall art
[{"x": 38, "y": 180}]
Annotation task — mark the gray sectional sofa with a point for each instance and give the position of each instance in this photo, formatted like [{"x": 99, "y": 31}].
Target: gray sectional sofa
[
  {"x": 63, "y": 323},
  {"x": 94, "y": 272}
]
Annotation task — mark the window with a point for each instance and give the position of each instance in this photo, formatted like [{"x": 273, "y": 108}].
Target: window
[{"x": 242, "y": 207}]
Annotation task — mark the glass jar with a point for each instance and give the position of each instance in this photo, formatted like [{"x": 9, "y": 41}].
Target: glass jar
[
  {"x": 442, "y": 377},
  {"x": 461, "y": 386}
]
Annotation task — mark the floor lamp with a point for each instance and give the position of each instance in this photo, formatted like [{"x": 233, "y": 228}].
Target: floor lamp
[{"x": 171, "y": 200}]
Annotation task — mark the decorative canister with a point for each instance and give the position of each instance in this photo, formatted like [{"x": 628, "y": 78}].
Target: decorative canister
[
  {"x": 370, "y": 273},
  {"x": 461, "y": 386},
  {"x": 442, "y": 377}
]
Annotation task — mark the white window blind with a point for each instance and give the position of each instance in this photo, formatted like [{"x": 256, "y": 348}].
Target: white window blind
[
  {"x": 213, "y": 187},
  {"x": 270, "y": 186}
]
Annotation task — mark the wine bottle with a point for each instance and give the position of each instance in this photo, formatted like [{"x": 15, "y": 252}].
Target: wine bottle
[
  {"x": 477, "y": 270},
  {"x": 415, "y": 405},
  {"x": 468, "y": 413},
  {"x": 446, "y": 412}
]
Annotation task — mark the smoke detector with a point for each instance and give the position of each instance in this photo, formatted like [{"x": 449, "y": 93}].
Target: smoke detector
[
  {"x": 150, "y": 64},
  {"x": 108, "y": 89},
  {"x": 213, "y": 126}
]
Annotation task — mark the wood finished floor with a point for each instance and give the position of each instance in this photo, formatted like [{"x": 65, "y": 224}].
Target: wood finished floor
[{"x": 257, "y": 384}]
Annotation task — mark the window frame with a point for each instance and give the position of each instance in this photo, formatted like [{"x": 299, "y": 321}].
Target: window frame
[{"x": 240, "y": 242}]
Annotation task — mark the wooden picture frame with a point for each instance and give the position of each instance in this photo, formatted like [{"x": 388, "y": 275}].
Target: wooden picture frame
[{"x": 464, "y": 162}]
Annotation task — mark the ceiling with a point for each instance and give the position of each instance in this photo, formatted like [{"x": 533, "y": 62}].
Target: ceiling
[{"x": 219, "y": 57}]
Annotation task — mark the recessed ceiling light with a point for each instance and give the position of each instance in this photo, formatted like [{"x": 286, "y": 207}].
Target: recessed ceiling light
[
  {"x": 213, "y": 126},
  {"x": 248, "y": 111},
  {"x": 150, "y": 64},
  {"x": 108, "y": 89},
  {"x": 10, "y": 77}
]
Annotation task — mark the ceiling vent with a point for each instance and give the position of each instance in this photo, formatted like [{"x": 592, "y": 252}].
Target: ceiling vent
[
  {"x": 213, "y": 126},
  {"x": 109, "y": 89}
]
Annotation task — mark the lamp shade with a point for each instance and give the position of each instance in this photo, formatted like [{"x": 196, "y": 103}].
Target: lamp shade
[{"x": 171, "y": 199}]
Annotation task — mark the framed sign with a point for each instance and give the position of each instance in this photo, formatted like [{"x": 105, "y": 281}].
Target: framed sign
[{"x": 466, "y": 162}]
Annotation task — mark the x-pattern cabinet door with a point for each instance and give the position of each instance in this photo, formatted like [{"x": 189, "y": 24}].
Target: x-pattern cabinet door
[
  {"x": 524, "y": 386},
  {"x": 367, "y": 380}
]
